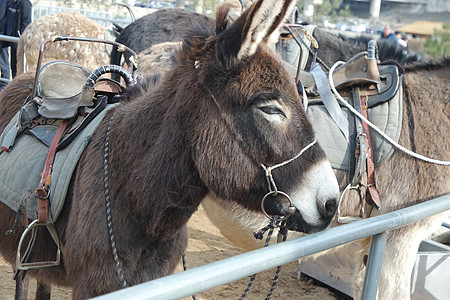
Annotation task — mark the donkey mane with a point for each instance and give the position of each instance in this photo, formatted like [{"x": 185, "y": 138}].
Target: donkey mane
[
  {"x": 154, "y": 29},
  {"x": 428, "y": 65},
  {"x": 386, "y": 49}
]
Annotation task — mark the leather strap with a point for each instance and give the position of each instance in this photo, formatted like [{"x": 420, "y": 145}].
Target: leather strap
[
  {"x": 42, "y": 192},
  {"x": 328, "y": 99},
  {"x": 357, "y": 167},
  {"x": 372, "y": 196},
  {"x": 103, "y": 100}
]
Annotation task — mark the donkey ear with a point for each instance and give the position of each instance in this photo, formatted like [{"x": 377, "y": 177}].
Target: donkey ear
[{"x": 262, "y": 24}]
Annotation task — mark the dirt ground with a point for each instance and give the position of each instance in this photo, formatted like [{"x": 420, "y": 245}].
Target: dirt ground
[{"x": 207, "y": 245}]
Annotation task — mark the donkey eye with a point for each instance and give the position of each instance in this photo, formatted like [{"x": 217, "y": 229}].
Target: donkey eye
[{"x": 272, "y": 110}]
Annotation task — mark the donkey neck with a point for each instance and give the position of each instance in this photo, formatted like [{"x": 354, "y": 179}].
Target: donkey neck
[{"x": 154, "y": 157}]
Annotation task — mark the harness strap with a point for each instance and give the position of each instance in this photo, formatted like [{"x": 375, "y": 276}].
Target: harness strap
[
  {"x": 329, "y": 101},
  {"x": 372, "y": 196},
  {"x": 42, "y": 192},
  {"x": 358, "y": 144}
]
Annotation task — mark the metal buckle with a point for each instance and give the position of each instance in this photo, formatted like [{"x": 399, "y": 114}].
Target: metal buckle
[
  {"x": 35, "y": 265},
  {"x": 42, "y": 193}
]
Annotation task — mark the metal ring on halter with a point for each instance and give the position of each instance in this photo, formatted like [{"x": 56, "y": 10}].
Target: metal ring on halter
[{"x": 291, "y": 208}]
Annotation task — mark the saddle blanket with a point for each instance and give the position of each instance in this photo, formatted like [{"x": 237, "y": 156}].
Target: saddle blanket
[
  {"x": 22, "y": 165},
  {"x": 386, "y": 116}
]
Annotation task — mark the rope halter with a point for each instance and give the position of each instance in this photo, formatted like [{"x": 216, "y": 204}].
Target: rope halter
[{"x": 273, "y": 190}]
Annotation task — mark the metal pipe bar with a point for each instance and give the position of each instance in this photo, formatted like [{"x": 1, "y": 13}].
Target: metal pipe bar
[
  {"x": 8, "y": 38},
  {"x": 373, "y": 269},
  {"x": 224, "y": 271},
  {"x": 11, "y": 39}
]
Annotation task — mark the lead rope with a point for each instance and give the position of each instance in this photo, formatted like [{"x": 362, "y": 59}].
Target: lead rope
[
  {"x": 185, "y": 268},
  {"x": 109, "y": 219},
  {"x": 282, "y": 234},
  {"x": 275, "y": 222}
]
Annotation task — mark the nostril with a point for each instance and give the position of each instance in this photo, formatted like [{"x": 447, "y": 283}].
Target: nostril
[{"x": 330, "y": 208}]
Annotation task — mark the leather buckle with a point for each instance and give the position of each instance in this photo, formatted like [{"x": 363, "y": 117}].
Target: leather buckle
[{"x": 42, "y": 193}]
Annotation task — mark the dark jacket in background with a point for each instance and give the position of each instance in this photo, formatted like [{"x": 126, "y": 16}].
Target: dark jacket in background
[
  {"x": 391, "y": 37},
  {"x": 14, "y": 26},
  {"x": 22, "y": 17},
  {"x": 2, "y": 9}
]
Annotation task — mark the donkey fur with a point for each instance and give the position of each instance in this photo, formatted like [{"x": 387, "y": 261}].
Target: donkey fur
[
  {"x": 402, "y": 181},
  {"x": 70, "y": 23},
  {"x": 206, "y": 128},
  {"x": 153, "y": 29}
]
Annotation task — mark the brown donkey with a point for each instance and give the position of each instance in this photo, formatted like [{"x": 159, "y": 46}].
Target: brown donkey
[
  {"x": 228, "y": 112},
  {"x": 402, "y": 181}
]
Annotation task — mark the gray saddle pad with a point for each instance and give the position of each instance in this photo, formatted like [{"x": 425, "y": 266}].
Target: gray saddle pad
[
  {"x": 23, "y": 164},
  {"x": 386, "y": 116}
]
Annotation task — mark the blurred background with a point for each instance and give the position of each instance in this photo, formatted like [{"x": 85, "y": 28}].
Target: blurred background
[{"x": 423, "y": 24}]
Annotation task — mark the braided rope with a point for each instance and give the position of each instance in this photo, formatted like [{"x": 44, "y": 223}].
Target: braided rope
[
  {"x": 249, "y": 286},
  {"x": 109, "y": 219},
  {"x": 271, "y": 227},
  {"x": 185, "y": 268},
  {"x": 274, "y": 223},
  {"x": 283, "y": 233},
  {"x": 268, "y": 170},
  {"x": 274, "y": 283}
]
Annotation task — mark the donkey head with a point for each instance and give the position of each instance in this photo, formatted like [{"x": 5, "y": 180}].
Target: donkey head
[{"x": 250, "y": 116}]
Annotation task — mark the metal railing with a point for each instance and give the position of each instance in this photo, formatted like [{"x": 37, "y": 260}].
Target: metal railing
[
  {"x": 224, "y": 271},
  {"x": 102, "y": 17},
  {"x": 10, "y": 39}
]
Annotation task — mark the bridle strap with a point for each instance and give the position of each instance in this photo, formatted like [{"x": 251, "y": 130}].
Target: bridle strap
[{"x": 268, "y": 170}]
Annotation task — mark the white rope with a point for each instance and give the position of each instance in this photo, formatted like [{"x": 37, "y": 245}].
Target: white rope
[
  {"x": 380, "y": 132},
  {"x": 268, "y": 170}
]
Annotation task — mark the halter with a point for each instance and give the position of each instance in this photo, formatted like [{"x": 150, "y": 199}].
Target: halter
[
  {"x": 273, "y": 190},
  {"x": 274, "y": 221}
]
